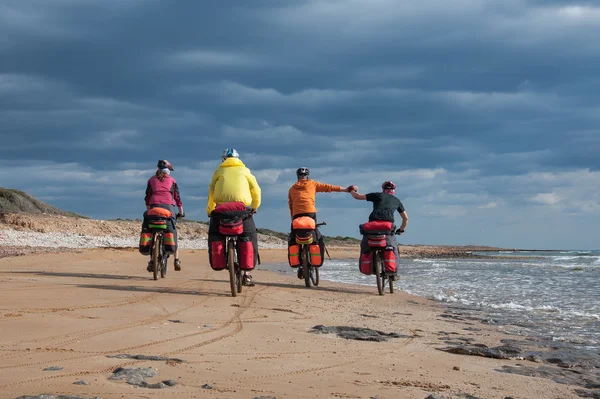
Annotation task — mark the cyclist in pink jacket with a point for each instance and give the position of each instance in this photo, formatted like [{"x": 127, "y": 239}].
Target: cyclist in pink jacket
[{"x": 162, "y": 192}]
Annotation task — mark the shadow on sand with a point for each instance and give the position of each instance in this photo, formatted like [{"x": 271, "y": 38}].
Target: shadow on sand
[
  {"x": 299, "y": 286},
  {"x": 81, "y": 275},
  {"x": 157, "y": 289}
]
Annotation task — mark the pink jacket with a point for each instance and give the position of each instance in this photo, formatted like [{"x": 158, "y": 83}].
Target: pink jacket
[{"x": 164, "y": 192}]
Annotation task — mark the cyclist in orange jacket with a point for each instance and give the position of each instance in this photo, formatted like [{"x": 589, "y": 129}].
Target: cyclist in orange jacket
[{"x": 301, "y": 201}]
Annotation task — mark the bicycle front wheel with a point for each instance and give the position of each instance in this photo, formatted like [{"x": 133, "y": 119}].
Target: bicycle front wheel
[
  {"x": 156, "y": 242},
  {"x": 164, "y": 260},
  {"x": 378, "y": 261},
  {"x": 231, "y": 267}
]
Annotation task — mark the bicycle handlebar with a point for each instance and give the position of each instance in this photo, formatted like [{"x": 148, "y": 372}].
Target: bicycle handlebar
[{"x": 321, "y": 224}]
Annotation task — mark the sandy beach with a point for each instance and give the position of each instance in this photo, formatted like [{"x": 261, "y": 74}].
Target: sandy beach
[{"x": 70, "y": 320}]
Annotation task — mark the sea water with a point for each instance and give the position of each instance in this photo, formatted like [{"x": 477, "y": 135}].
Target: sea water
[{"x": 550, "y": 295}]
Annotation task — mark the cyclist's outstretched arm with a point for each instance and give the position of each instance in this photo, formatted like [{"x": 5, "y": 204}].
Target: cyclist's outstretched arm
[
  {"x": 328, "y": 188},
  {"x": 358, "y": 196}
]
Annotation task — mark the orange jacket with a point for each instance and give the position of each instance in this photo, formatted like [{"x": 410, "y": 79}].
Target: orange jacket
[{"x": 301, "y": 197}]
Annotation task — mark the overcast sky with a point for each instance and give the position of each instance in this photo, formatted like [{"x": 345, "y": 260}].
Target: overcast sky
[{"x": 484, "y": 113}]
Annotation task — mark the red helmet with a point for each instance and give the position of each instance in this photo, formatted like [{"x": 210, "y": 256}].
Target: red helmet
[
  {"x": 388, "y": 185},
  {"x": 164, "y": 164}
]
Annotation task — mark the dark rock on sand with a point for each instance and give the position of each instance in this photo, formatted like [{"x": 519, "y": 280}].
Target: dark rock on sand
[
  {"x": 264, "y": 397},
  {"x": 460, "y": 396},
  {"x": 53, "y": 368},
  {"x": 357, "y": 333},
  {"x": 499, "y": 352},
  {"x": 206, "y": 386},
  {"x": 81, "y": 382},
  {"x": 138, "y": 377},
  {"x": 588, "y": 394},
  {"x": 146, "y": 357},
  {"x": 177, "y": 321}
]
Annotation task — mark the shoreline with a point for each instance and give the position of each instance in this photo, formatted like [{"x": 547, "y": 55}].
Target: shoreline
[
  {"x": 43, "y": 230},
  {"x": 262, "y": 343}
]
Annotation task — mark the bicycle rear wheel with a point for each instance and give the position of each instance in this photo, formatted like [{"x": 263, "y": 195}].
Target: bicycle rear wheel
[
  {"x": 239, "y": 278},
  {"x": 231, "y": 267},
  {"x": 305, "y": 265},
  {"x": 391, "y": 285},
  {"x": 378, "y": 263},
  {"x": 156, "y": 245}
]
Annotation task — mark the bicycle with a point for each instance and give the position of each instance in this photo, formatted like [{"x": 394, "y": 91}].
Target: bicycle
[
  {"x": 311, "y": 274},
  {"x": 381, "y": 275},
  {"x": 231, "y": 233},
  {"x": 159, "y": 256}
]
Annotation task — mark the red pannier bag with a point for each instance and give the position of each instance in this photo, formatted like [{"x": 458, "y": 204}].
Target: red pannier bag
[
  {"x": 145, "y": 242},
  {"x": 294, "y": 255},
  {"x": 365, "y": 264},
  {"x": 230, "y": 206},
  {"x": 216, "y": 255},
  {"x": 161, "y": 212},
  {"x": 389, "y": 260},
  {"x": 231, "y": 228},
  {"x": 378, "y": 241},
  {"x": 316, "y": 259},
  {"x": 304, "y": 223},
  {"x": 230, "y": 223},
  {"x": 245, "y": 254},
  {"x": 377, "y": 227},
  {"x": 304, "y": 237}
]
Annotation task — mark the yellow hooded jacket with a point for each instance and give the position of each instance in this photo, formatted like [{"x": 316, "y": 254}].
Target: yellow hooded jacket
[{"x": 233, "y": 181}]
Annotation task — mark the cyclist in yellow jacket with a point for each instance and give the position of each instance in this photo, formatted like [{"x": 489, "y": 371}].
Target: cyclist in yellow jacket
[{"x": 233, "y": 182}]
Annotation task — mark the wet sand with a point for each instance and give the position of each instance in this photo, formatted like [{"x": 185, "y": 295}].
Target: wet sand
[{"x": 78, "y": 312}]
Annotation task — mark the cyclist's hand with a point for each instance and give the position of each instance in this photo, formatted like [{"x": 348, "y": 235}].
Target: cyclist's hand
[
  {"x": 180, "y": 215},
  {"x": 399, "y": 231},
  {"x": 351, "y": 188},
  {"x": 253, "y": 212}
]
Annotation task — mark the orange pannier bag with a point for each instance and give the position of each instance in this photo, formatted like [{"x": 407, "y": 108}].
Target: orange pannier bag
[
  {"x": 162, "y": 212},
  {"x": 303, "y": 223}
]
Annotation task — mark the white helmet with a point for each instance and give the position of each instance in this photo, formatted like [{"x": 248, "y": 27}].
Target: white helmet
[{"x": 229, "y": 153}]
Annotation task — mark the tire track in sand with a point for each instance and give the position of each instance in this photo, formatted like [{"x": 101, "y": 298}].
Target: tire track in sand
[{"x": 246, "y": 302}]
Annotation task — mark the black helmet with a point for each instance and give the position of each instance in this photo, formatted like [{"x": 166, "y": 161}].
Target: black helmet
[
  {"x": 302, "y": 172},
  {"x": 164, "y": 164}
]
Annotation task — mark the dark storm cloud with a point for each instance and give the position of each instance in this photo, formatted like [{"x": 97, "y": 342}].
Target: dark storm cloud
[{"x": 485, "y": 106}]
